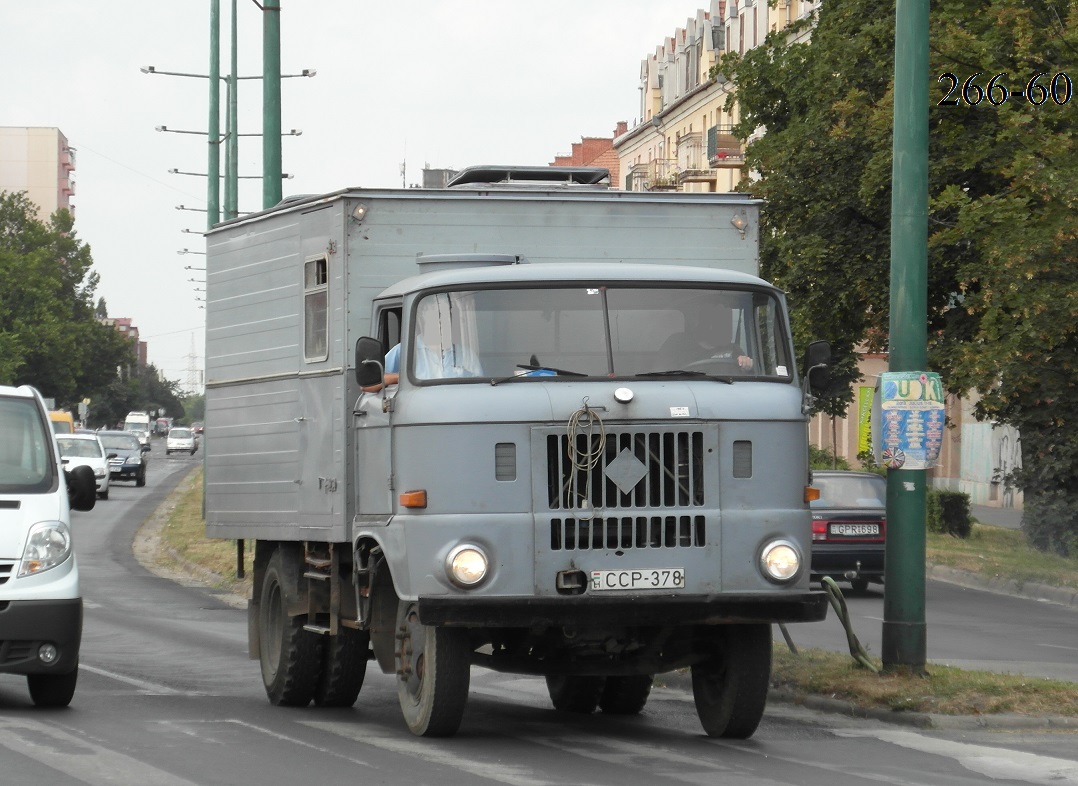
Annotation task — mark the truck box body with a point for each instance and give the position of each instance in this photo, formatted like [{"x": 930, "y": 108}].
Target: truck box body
[{"x": 289, "y": 414}]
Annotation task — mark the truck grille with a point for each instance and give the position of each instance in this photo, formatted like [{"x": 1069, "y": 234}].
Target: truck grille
[
  {"x": 627, "y": 532},
  {"x": 626, "y": 469}
]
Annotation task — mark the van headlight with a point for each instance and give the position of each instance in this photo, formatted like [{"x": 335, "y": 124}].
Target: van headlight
[
  {"x": 780, "y": 561},
  {"x": 466, "y": 566},
  {"x": 47, "y": 545}
]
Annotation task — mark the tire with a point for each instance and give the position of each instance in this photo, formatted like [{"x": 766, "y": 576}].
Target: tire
[
  {"x": 52, "y": 690},
  {"x": 344, "y": 665},
  {"x": 626, "y": 695},
  {"x": 433, "y": 666},
  {"x": 103, "y": 494},
  {"x": 290, "y": 657},
  {"x": 575, "y": 692},
  {"x": 140, "y": 478},
  {"x": 730, "y": 687},
  {"x": 859, "y": 584}
]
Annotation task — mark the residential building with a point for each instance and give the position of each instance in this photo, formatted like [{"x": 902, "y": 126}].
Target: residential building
[
  {"x": 40, "y": 162},
  {"x": 125, "y": 327}
]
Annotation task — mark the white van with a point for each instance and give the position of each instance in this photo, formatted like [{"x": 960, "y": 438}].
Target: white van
[
  {"x": 138, "y": 423},
  {"x": 40, "y": 602}
]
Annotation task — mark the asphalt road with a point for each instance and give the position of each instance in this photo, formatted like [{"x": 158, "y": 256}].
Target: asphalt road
[{"x": 168, "y": 696}]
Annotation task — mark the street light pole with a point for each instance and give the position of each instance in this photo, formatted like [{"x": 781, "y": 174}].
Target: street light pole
[
  {"x": 213, "y": 128},
  {"x": 232, "y": 150},
  {"x": 271, "y": 105}
]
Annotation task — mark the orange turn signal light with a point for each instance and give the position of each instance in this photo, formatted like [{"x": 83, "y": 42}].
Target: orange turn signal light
[
  {"x": 414, "y": 499},
  {"x": 811, "y": 494}
]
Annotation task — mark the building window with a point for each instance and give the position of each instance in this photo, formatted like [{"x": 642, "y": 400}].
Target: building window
[{"x": 316, "y": 309}]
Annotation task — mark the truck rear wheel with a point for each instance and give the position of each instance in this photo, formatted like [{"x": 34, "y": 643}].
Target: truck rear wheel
[
  {"x": 625, "y": 695},
  {"x": 344, "y": 665},
  {"x": 433, "y": 668},
  {"x": 575, "y": 692},
  {"x": 52, "y": 690},
  {"x": 730, "y": 687},
  {"x": 290, "y": 657}
]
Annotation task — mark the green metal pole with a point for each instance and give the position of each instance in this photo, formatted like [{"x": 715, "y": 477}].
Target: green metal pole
[
  {"x": 213, "y": 131},
  {"x": 904, "y": 572},
  {"x": 232, "y": 148},
  {"x": 271, "y": 105}
]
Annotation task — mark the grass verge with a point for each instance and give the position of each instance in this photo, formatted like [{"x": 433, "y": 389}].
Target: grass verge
[{"x": 185, "y": 549}]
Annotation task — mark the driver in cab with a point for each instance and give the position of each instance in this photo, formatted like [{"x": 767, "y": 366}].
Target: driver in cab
[{"x": 706, "y": 340}]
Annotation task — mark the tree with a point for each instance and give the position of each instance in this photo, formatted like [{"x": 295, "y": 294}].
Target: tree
[
  {"x": 49, "y": 335},
  {"x": 1002, "y": 291}
]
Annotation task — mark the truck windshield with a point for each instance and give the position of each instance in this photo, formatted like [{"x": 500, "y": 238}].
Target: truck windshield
[
  {"x": 607, "y": 331},
  {"x": 27, "y": 463}
]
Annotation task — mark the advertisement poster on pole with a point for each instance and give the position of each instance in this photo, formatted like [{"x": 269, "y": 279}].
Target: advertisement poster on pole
[{"x": 908, "y": 419}]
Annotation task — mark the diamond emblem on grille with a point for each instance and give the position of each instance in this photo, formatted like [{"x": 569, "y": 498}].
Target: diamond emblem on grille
[{"x": 626, "y": 471}]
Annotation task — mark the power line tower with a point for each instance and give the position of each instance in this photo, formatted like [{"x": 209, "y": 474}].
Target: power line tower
[{"x": 193, "y": 381}]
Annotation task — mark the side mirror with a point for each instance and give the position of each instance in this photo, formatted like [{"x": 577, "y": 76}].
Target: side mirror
[
  {"x": 81, "y": 487},
  {"x": 145, "y": 448},
  {"x": 817, "y": 365},
  {"x": 369, "y": 361}
]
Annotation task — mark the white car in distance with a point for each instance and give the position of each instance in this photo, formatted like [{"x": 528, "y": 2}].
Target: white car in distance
[
  {"x": 76, "y": 449},
  {"x": 180, "y": 440}
]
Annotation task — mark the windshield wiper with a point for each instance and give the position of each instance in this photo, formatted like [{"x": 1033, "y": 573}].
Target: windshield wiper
[
  {"x": 533, "y": 367},
  {"x": 680, "y": 372}
]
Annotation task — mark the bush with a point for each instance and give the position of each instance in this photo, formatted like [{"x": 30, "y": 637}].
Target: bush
[
  {"x": 947, "y": 512},
  {"x": 824, "y": 458}
]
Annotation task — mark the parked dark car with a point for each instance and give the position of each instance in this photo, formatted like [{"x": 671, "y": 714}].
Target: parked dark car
[
  {"x": 131, "y": 457},
  {"x": 849, "y": 526}
]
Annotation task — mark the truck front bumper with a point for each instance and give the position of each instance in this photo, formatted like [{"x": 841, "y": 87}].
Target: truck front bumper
[{"x": 631, "y": 611}]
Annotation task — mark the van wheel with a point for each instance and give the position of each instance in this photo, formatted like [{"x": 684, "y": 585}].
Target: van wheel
[
  {"x": 730, "y": 687},
  {"x": 626, "y": 695},
  {"x": 433, "y": 666},
  {"x": 52, "y": 690},
  {"x": 344, "y": 665},
  {"x": 575, "y": 692},
  {"x": 290, "y": 657}
]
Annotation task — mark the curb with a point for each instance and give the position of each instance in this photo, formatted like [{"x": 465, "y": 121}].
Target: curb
[
  {"x": 1025, "y": 589},
  {"x": 681, "y": 680}
]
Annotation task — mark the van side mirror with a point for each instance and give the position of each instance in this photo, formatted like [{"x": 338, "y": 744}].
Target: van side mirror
[
  {"x": 370, "y": 358},
  {"x": 81, "y": 487},
  {"x": 818, "y": 366}
]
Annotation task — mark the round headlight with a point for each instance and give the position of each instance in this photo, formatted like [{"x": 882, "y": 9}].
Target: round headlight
[
  {"x": 780, "y": 561},
  {"x": 466, "y": 566}
]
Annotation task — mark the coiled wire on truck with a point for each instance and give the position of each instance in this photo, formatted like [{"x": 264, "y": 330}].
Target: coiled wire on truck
[{"x": 585, "y": 421}]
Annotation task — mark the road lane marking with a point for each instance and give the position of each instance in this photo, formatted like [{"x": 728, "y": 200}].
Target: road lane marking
[
  {"x": 499, "y": 772},
  {"x": 78, "y": 758},
  {"x": 145, "y": 686},
  {"x": 994, "y": 763}
]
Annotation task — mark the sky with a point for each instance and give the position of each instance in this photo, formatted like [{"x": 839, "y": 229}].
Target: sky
[{"x": 406, "y": 83}]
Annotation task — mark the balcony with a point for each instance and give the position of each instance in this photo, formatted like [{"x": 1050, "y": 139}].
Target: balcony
[
  {"x": 660, "y": 174},
  {"x": 692, "y": 163},
  {"x": 723, "y": 148}
]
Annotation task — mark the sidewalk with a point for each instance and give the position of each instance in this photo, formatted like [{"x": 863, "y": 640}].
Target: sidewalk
[{"x": 997, "y": 517}]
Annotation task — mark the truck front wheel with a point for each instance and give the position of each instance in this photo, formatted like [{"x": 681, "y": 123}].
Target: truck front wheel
[
  {"x": 290, "y": 657},
  {"x": 730, "y": 687},
  {"x": 433, "y": 666}
]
